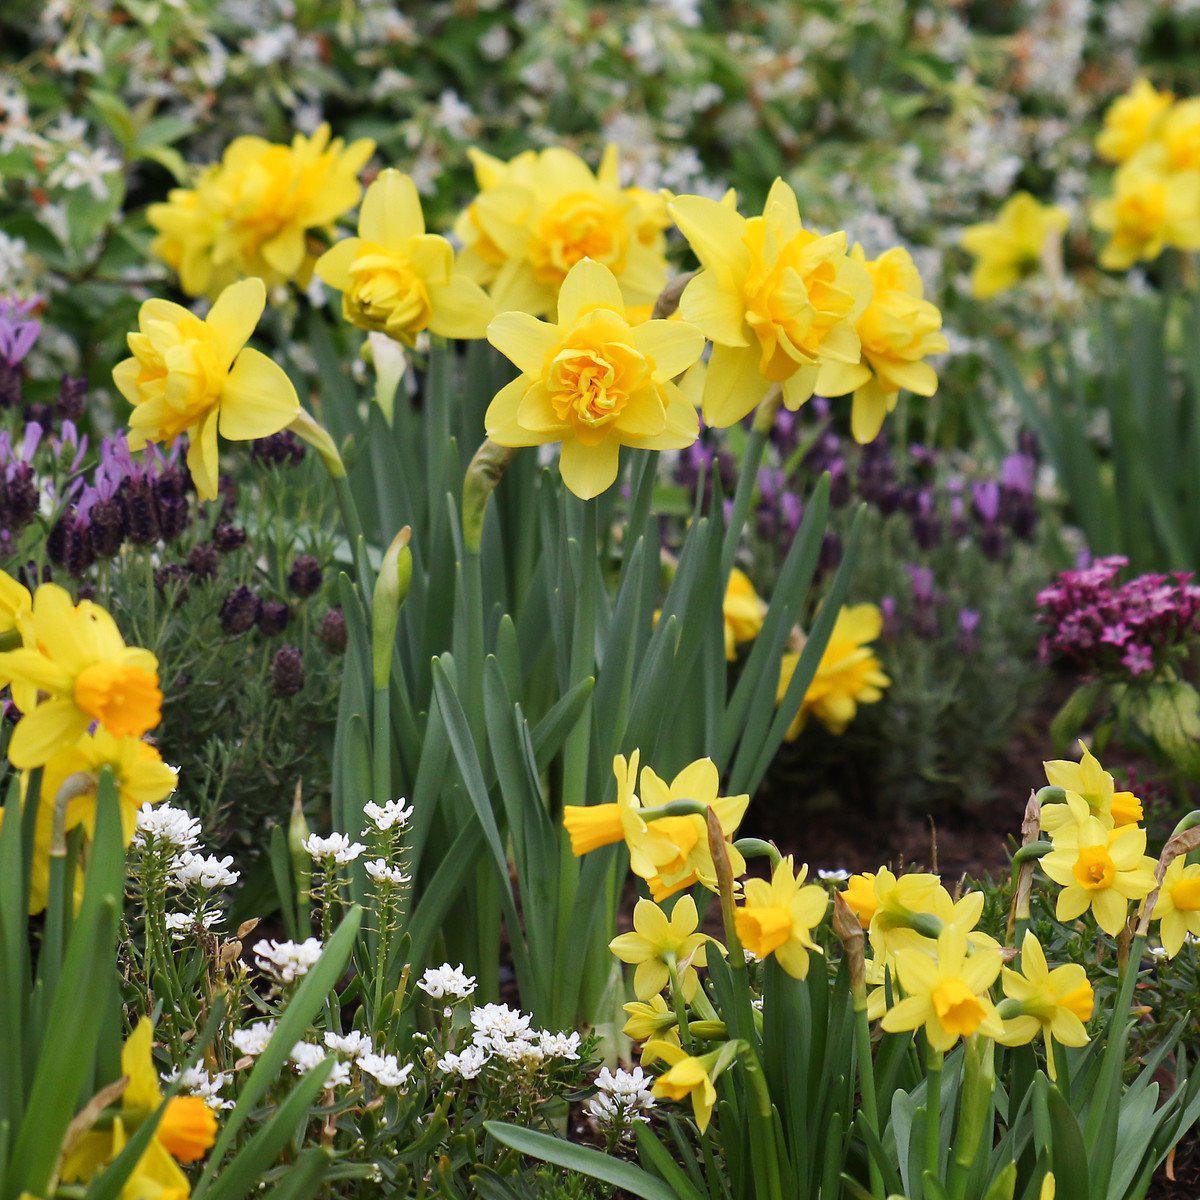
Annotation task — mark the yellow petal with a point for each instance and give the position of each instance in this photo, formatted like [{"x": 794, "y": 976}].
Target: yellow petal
[
  {"x": 258, "y": 399},
  {"x": 716, "y": 306},
  {"x": 51, "y": 726},
  {"x": 461, "y": 309},
  {"x": 333, "y": 267},
  {"x": 524, "y": 340},
  {"x": 234, "y": 315},
  {"x": 589, "y": 470},
  {"x": 673, "y": 346},
  {"x": 202, "y": 457},
  {"x": 391, "y": 211},
  {"x": 733, "y": 385},
  {"x": 588, "y": 285}
]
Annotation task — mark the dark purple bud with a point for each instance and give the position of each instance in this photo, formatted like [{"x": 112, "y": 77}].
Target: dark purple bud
[
  {"x": 72, "y": 392},
  {"x": 203, "y": 561},
  {"x": 993, "y": 543},
  {"x": 287, "y": 671},
  {"x": 172, "y": 579},
  {"x": 332, "y": 630},
  {"x": 278, "y": 450},
  {"x": 305, "y": 576},
  {"x": 19, "y": 496},
  {"x": 839, "y": 484},
  {"x": 108, "y": 526},
  {"x": 11, "y": 375},
  {"x": 923, "y": 591},
  {"x": 831, "y": 551},
  {"x": 1027, "y": 443},
  {"x": 69, "y": 543},
  {"x": 228, "y": 537},
  {"x": 239, "y": 610},
  {"x": 273, "y": 617},
  {"x": 141, "y": 509},
  {"x": 985, "y": 500}
]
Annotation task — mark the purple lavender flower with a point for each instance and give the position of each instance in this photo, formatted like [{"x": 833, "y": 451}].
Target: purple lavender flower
[{"x": 968, "y": 630}]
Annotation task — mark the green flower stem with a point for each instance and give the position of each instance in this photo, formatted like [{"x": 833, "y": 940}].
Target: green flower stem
[
  {"x": 757, "y": 848},
  {"x": 747, "y": 482},
  {"x": 866, "y": 1083},
  {"x": 58, "y": 906},
  {"x": 933, "y": 1112},
  {"x": 979, "y": 1083}
]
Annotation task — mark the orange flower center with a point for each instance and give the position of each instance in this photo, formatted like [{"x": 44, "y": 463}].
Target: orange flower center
[
  {"x": 958, "y": 1008},
  {"x": 126, "y": 700},
  {"x": 763, "y": 928},
  {"x": 590, "y": 386},
  {"x": 1080, "y": 1001},
  {"x": 581, "y": 225},
  {"x": 1094, "y": 870},
  {"x": 187, "y": 1129},
  {"x": 1185, "y": 895}
]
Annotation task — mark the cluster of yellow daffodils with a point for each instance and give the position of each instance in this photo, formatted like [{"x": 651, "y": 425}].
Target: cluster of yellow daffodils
[
  {"x": 86, "y": 699},
  {"x": 198, "y": 377},
  {"x": 670, "y": 852},
  {"x": 1154, "y": 140},
  {"x": 396, "y": 278},
  {"x": 1099, "y": 851},
  {"x": 778, "y": 917},
  {"x": 252, "y": 213},
  {"x": 1025, "y": 237},
  {"x": 849, "y": 673},
  {"x": 541, "y": 213},
  {"x": 185, "y": 1132}
]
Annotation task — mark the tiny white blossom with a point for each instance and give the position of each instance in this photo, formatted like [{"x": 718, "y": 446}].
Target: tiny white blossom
[
  {"x": 174, "y": 827},
  {"x": 198, "y": 1082},
  {"x": 353, "y": 1044},
  {"x": 306, "y": 1056},
  {"x": 838, "y": 875},
  {"x": 252, "y": 1040},
  {"x": 383, "y": 872},
  {"x": 559, "y": 1045},
  {"x": 446, "y": 981},
  {"x": 622, "y": 1098},
  {"x": 466, "y": 1065},
  {"x": 385, "y": 816},
  {"x": 385, "y": 1069},
  {"x": 85, "y": 169},
  {"x": 286, "y": 962},
  {"x": 204, "y": 870},
  {"x": 337, "y": 848},
  {"x": 181, "y": 925},
  {"x": 497, "y": 1025}
]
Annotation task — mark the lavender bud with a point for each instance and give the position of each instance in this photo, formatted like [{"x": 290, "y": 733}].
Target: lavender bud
[
  {"x": 278, "y": 450},
  {"x": 202, "y": 561},
  {"x": 287, "y": 671},
  {"x": 228, "y": 537},
  {"x": 10, "y": 384},
  {"x": 332, "y": 630},
  {"x": 172, "y": 578},
  {"x": 239, "y": 610},
  {"x": 108, "y": 527},
  {"x": 72, "y": 392},
  {"x": 20, "y": 496},
  {"x": 305, "y": 576},
  {"x": 273, "y": 617},
  {"x": 141, "y": 510}
]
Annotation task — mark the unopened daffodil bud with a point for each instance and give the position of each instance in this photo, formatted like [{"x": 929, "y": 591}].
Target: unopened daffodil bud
[{"x": 391, "y": 588}]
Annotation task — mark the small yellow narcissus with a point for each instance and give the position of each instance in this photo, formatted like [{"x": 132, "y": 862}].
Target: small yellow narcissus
[
  {"x": 15, "y": 605},
  {"x": 653, "y": 1018},
  {"x": 251, "y": 213},
  {"x": 1151, "y": 208},
  {"x": 185, "y": 1132},
  {"x": 1178, "y": 905},
  {"x": 898, "y": 330},
  {"x": 1131, "y": 120},
  {"x": 541, "y": 213},
  {"x": 1101, "y": 869},
  {"x": 397, "y": 279},
  {"x": 895, "y": 896},
  {"x": 743, "y": 610},
  {"x": 75, "y": 659},
  {"x": 778, "y": 917},
  {"x": 199, "y": 377},
  {"x": 947, "y": 992},
  {"x": 775, "y": 299},
  {"x": 1014, "y": 245},
  {"x": 1088, "y": 780},
  {"x": 660, "y": 944},
  {"x": 1054, "y": 1003},
  {"x": 593, "y": 382},
  {"x": 688, "y": 1077},
  {"x": 849, "y": 673}
]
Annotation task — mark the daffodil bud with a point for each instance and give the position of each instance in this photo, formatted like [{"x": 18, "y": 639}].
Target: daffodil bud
[
  {"x": 483, "y": 476},
  {"x": 307, "y": 429},
  {"x": 390, "y": 362},
  {"x": 850, "y": 933},
  {"x": 298, "y": 832},
  {"x": 391, "y": 588}
]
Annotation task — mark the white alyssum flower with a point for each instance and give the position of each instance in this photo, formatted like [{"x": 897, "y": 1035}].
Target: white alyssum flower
[
  {"x": 385, "y": 1069},
  {"x": 286, "y": 962},
  {"x": 837, "y": 875},
  {"x": 466, "y": 1065},
  {"x": 167, "y": 826},
  {"x": 336, "y": 848},
  {"x": 307, "y": 1056},
  {"x": 496, "y": 1025},
  {"x": 203, "y": 870},
  {"x": 181, "y": 925},
  {"x": 622, "y": 1098},
  {"x": 383, "y": 872},
  {"x": 252, "y": 1040},
  {"x": 393, "y": 814},
  {"x": 198, "y": 1082},
  {"x": 559, "y": 1045},
  {"x": 447, "y": 982},
  {"x": 353, "y": 1044}
]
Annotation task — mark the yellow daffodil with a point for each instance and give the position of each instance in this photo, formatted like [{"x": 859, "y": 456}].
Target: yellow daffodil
[
  {"x": 1179, "y": 135},
  {"x": 1101, "y": 869},
  {"x": 1178, "y": 905},
  {"x": 1013, "y": 245},
  {"x": 659, "y": 944},
  {"x": 687, "y": 1077},
  {"x": 898, "y": 330},
  {"x": 776, "y": 300},
  {"x": 1150, "y": 209},
  {"x": 397, "y": 279},
  {"x": 946, "y": 993},
  {"x": 1054, "y": 1003},
  {"x": 883, "y": 891},
  {"x": 849, "y": 673},
  {"x": 593, "y": 382},
  {"x": 15, "y": 606},
  {"x": 779, "y": 917},
  {"x": 76, "y": 659},
  {"x": 743, "y": 610},
  {"x": 1088, "y": 780},
  {"x": 653, "y": 1018},
  {"x": 184, "y": 1134},
  {"x": 199, "y": 377},
  {"x": 1131, "y": 120},
  {"x": 140, "y": 775},
  {"x": 914, "y": 917},
  {"x": 539, "y": 215},
  {"x": 251, "y": 214}
]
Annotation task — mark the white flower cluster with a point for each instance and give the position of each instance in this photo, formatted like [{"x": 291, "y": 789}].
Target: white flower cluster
[
  {"x": 395, "y": 814},
  {"x": 447, "y": 983},
  {"x": 286, "y": 962},
  {"x": 839, "y": 875},
  {"x": 504, "y": 1033},
  {"x": 383, "y": 872},
  {"x": 163, "y": 825},
  {"x": 337, "y": 848},
  {"x": 252, "y": 1040},
  {"x": 622, "y": 1099},
  {"x": 205, "y": 871},
  {"x": 198, "y": 1082},
  {"x": 182, "y": 925},
  {"x": 357, "y": 1050}
]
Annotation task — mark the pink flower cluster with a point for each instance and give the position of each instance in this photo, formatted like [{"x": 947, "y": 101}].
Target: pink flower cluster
[{"x": 1101, "y": 625}]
